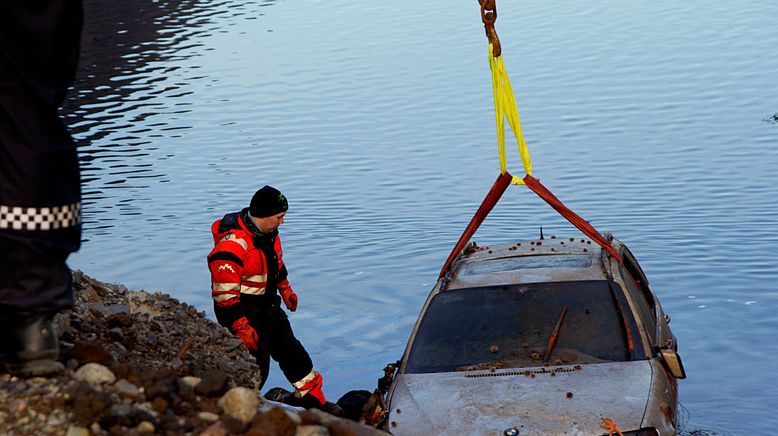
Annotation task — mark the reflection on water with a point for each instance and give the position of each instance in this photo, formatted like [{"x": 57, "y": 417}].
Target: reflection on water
[
  {"x": 136, "y": 79},
  {"x": 649, "y": 119}
]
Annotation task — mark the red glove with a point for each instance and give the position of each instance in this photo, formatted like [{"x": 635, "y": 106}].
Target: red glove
[
  {"x": 242, "y": 329},
  {"x": 290, "y": 299}
]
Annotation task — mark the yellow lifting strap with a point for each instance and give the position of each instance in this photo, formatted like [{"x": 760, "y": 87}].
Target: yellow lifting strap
[
  {"x": 504, "y": 99},
  {"x": 505, "y": 107}
]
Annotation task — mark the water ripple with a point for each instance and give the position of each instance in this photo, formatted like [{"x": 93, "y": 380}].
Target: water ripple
[{"x": 652, "y": 120}]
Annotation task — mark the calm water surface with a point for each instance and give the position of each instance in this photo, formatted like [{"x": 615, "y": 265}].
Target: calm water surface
[{"x": 654, "y": 120}]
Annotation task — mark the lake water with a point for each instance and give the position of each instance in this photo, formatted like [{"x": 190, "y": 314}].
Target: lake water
[{"x": 653, "y": 120}]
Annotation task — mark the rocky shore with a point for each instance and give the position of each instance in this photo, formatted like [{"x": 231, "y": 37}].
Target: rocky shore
[{"x": 140, "y": 363}]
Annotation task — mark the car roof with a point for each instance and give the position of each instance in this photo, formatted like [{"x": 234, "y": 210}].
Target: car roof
[{"x": 532, "y": 261}]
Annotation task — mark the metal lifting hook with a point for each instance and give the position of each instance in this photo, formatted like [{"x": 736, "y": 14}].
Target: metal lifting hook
[{"x": 488, "y": 17}]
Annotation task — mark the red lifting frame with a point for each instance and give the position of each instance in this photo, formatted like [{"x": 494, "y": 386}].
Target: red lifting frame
[{"x": 494, "y": 195}]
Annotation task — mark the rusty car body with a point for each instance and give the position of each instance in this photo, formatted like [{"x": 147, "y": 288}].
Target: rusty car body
[{"x": 544, "y": 337}]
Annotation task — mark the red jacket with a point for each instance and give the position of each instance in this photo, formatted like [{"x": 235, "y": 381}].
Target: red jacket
[{"x": 246, "y": 267}]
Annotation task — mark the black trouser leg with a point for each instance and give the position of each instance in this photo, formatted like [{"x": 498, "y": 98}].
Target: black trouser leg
[
  {"x": 40, "y": 190},
  {"x": 287, "y": 350},
  {"x": 263, "y": 359},
  {"x": 277, "y": 340},
  {"x": 40, "y": 193}
]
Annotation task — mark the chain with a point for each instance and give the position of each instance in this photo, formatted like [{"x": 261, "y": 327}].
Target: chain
[{"x": 489, "y": 16}]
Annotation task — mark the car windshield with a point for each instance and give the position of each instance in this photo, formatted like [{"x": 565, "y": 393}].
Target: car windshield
[
  {"x": 512, "y": 326},
  {"x": 489, "y": 266}
]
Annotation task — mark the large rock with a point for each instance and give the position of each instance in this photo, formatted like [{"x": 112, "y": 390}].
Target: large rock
[
  {"x": 312, "y": 430},
  {"x": 275, "y": 422},
  {"x": 240, "y": 403},
  {"x": 95, "y": 373}
]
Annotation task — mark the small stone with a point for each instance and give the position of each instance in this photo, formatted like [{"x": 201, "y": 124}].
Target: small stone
[
  {"x": 53, "y": 421},
  {"x": 191, "y": 380},
  {"x": 145, "y": 427},
  {"x": 77, "y": 431},
  {"x": 160, "y": 405},
  {"x": 213, "y": 384},
  {"x": 95, "y": 373},
  {"x": 164, "y": 388},
  {"x": 240, "y": 403},
  {"x": 208, "y": 416},
  {"x": 120, "y": 410},
  {"x": 124, "y": 387}
]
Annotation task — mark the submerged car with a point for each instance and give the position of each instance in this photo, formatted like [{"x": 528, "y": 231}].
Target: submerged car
[{"x": 545, "y": 337}]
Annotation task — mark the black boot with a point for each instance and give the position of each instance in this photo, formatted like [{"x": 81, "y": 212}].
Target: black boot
[
  {"x": 30, "y": 345},
  {"x": 306, "y": 402}
]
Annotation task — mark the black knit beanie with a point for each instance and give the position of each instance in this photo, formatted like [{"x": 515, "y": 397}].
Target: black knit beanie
[{"x": 268, "y": 201}]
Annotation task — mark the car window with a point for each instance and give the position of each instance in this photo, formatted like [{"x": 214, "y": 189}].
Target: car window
[
  {"x": 489, "y": 266},
  {"x": 641, "y": 282},
  {"x": 510, "y": 327},
  {"x": 645, "y": 312}
]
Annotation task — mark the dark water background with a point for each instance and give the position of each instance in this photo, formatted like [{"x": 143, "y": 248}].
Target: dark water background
[{"x": 653, "y": 120}]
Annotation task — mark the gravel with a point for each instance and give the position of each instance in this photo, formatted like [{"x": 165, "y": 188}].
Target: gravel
[{"x": 142, "y": 363}]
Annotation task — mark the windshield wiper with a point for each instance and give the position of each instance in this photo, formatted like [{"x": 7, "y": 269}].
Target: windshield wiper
[{"x": 554, "y": 335}]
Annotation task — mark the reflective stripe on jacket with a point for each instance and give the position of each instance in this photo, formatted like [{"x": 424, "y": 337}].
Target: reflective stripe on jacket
[{"x": 246, "y": 268}]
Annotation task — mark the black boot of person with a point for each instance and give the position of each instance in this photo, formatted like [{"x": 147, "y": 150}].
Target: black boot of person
[
  {"x": 281, "y": 395},
  {"x": 30, "y": 345}
]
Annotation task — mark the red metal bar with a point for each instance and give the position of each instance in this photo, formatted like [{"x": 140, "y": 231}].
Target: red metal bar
[
  {"x": 589, "y": 230},
  {"x": 498, "y": 188}
]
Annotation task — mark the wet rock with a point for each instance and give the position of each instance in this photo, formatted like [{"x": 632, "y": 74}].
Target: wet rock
[
  {"x": 95, "y": 373},
  {"x": 240, "y": 403}
]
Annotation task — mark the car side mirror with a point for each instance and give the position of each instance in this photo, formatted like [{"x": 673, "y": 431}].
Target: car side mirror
[{"x": 672, "y": 360}]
